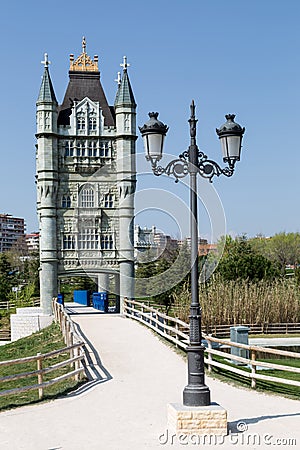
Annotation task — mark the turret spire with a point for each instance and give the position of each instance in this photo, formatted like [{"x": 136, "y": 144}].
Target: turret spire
[{"x": 46, "y": 93}]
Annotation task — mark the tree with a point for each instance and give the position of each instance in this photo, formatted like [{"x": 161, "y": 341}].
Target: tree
[
  {"x": 7, "y": 277},
  {"x": 241, "y": 261}
]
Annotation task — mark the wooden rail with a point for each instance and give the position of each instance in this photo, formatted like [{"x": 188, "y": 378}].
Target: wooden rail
[
  {"x": 176, "y": 331},
  {"x": 74, "y": 348},
  {"x": 16, "y": 304}
]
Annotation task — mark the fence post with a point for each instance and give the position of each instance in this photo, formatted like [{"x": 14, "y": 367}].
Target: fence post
[
  {"x": 209, "y": 355},
  {"x": 253, "y": 369},
  {"x": 40, "y": 374}
]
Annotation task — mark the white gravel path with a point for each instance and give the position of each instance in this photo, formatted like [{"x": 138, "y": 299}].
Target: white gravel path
[{"x": 125, "y": 408}]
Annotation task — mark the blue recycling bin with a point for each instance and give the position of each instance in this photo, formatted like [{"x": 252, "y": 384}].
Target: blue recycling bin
[
  {"x": 61, "y": 299},
  {"x": 100, "y": 301}
]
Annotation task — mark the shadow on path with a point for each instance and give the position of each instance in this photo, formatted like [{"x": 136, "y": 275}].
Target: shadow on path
[
  {"x": 235, "y": 426},
  {"x": 94, "y": 369}
]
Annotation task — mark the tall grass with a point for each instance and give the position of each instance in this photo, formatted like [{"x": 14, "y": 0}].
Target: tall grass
[{"x": 238, "y": 302}]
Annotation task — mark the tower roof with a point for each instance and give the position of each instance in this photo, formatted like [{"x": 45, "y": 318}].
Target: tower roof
[
  {"x": 84, "y": 82},
  {"x": 125, "y": 95},
  {"x": 46, "y": 93}
]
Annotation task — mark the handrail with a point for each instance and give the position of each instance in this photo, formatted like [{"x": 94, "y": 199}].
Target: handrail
[{"x": 171, "y": 329}]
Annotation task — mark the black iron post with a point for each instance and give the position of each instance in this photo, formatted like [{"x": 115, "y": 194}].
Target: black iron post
[
  {"x": 194, "y": 162},
  {"x": 196, "y": 393}
]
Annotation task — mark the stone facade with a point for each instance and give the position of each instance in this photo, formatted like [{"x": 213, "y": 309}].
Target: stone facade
[
  {"x": 86, "y": 180},
  {"x": 202, "y": 420}
]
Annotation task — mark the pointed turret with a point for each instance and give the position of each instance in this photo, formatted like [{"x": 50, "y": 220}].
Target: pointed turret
[
  {"x": 125, "y": 95},
  {"x": 46, "y": 93}
]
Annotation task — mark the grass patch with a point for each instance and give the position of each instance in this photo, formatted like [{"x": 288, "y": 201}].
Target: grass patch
[
  {"x": 262, "y": 385},
  {"x": 45, "y": 341}
]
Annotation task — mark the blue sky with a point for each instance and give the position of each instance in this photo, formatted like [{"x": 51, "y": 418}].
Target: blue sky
[{"x": 237, "y": 57}]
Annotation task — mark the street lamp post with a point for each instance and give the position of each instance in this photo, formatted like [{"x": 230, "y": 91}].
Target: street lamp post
[{"x": 193, "y": 162}]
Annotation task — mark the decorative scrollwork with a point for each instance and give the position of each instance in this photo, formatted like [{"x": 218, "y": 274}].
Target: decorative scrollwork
[{"x": 179, "y": 168}]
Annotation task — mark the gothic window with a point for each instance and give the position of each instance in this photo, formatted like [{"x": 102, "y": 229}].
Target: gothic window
[
  {"x": 80, "y": 148},
  {"x": 104, "y": 149},
  {"x": 92, "y": 148},
  {"x": 108, "y": 201},
  {"x": 107, "y": 242},
  {"x": 68, "y": 242},
  {"x": 66, "y": 201},
  {"x": 69, "y": 148},
  {"x": 87, "y": 198},
  {"x": 80, "y": 123},
  {"x": 92, "y": 122},
  {"x": 88, "y": 239}
]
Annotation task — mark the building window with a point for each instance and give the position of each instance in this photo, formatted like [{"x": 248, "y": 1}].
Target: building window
[
  {"x": 88, "y": 239},
  {"x": 87, "y": 198},
  {"x": 104, "y": 149},
  {"x": 81, "y": 123},
  {"x": 68, "y": 242},
  {"x": 66, "y": 201},
  {"x": 80, "y": 148},
  {"x": 93, "y": 148},
  {"x": 92, "y": 123},
  {"x": 69, "y": 148},
  {"x": 107, "y": 242},
  {"x": 108, "y": 201}
]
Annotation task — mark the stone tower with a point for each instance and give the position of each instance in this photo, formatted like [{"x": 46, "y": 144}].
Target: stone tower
[{"x": 86, "y": 178}]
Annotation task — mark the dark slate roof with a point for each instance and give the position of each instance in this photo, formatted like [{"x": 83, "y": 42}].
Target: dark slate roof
[
  {"x": 46, "y": 93},
  {"x": 125, "y": 95},
  {"x": 81, "y": 85}
]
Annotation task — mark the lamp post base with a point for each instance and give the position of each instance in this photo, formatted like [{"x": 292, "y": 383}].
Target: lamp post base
[{"x": 196, "y": 393}]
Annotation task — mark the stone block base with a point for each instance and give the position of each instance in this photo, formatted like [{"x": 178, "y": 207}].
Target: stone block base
[
  {"x": 208, "y": 420},
  {"x": 28, "y": 321}
]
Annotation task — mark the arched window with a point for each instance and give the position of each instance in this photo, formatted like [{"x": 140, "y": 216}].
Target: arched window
[
  {"x": 87, "y": 197},
  {"x": 66, "y": 201}
]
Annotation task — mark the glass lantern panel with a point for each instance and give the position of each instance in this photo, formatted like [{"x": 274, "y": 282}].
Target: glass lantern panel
[{"x": 153, "y": 145}]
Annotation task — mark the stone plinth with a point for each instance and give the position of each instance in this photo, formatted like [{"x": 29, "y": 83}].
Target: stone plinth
[{"x": 208, "y": 420}]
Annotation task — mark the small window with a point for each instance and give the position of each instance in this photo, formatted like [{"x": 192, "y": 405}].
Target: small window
[
  {"x": 80, "y": 148},
  {"x": 108, "y": 201},
  {"x": 66, "y": 201},
  {"x": 69, "y": 148},
  {"x": 104, "y": 149},
  {"x": 107, "y": 242},
  {"x": 81, "y": 123},
  {"x": 92, "y": 123},
  {"x": 92, "y": 148},
  {"x": 68, "y": 242}
]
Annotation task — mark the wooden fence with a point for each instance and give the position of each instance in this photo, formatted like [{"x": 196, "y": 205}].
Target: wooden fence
[
  {"x": 176, "y": 331},
  {"x": 16, "y": 304},
  {"x": 74, "y": 348}
]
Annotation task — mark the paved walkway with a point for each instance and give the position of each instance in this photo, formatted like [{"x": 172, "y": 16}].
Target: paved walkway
[{"x": 125, "y": 407}]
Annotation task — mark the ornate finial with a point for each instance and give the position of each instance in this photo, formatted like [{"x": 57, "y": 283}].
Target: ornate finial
[
  {"x": 46, "y": 61},
  {"x": 230, "y": 117},
  {"x": 83, "y": 45},
  {"x": 84, "y": 63},
  {"x": 125, "y": 64},
  {"x": 118, "y": 79}
]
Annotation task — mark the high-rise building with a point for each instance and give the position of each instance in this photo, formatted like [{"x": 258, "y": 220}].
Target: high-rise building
[
  {"x": 11, "y": 229},
  {"x": 86, "y": 179}
]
